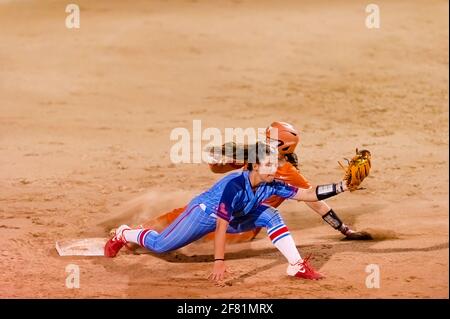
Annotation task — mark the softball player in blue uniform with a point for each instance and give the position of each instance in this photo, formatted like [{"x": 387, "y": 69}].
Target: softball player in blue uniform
[{"x": 233, "y": 205}]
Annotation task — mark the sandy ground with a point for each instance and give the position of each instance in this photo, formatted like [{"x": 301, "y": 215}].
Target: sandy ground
[{"x": 86, "y": 116}]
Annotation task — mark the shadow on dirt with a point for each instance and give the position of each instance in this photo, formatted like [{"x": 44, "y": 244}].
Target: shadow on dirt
[{"x": 320, "y": 254}]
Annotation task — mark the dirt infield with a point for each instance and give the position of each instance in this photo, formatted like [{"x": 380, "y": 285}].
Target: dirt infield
[{"x": 86, "y": 116}]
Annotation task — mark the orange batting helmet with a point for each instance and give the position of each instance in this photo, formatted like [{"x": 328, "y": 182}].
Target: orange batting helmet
[{"x": 287, "y": 137}]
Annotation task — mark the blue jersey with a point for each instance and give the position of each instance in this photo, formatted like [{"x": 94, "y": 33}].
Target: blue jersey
[{"x": 232, "y": 196}]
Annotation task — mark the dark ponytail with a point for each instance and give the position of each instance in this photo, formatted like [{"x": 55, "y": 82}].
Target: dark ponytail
[
  {"x": 244, "y": 153},
  {"x": 292, "y": 158}
]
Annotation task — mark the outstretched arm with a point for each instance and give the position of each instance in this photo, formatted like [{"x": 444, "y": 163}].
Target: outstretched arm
[
  {"x": 320, "y": 192},
  {"x": 219, "y": 250}
]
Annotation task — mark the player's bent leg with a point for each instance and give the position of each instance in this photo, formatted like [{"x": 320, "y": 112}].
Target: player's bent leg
[
  {"x": 162, "y": 221},
  {"x": 191, "y": 225},
  {"x": 158, "y": 224},
  {"x": 278, "y": 232}
]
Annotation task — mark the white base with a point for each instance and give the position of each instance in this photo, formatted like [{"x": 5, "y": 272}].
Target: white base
[{"x": 81, "y": 247}]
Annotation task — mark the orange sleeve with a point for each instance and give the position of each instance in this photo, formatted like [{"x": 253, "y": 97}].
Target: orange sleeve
[
  {"x": 291, "y": 175},
  {"x": 288, "y": 174}
]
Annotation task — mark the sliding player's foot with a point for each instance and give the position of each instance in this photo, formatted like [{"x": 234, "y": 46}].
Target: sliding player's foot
[
  {"x": 304, "y": 270},
  {"x": 117, "y": 241}
]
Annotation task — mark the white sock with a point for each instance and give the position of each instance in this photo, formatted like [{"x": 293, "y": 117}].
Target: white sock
[
  {"x": 131, "y": 235},
  {"x": 282, "y": 239}
]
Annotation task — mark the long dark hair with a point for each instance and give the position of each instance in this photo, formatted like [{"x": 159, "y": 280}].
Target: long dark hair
[
  {"x": 292, "y": 158},
  {"x": 249, "y": 154}
]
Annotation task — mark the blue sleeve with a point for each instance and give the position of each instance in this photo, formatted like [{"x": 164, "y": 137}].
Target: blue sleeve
[
  {"x": 227, "y": 201},
  {"x": 284, "y": 190}
]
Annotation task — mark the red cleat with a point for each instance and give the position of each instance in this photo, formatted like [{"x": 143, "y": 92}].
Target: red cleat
[
  {"x": 304, "y": 270},
  {"x": 116, "y": 243}
]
